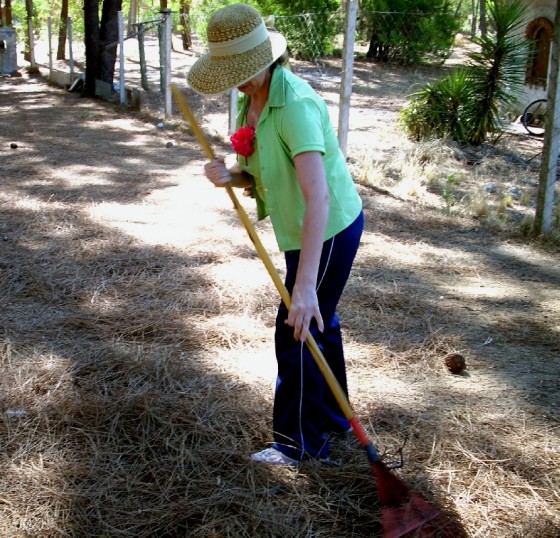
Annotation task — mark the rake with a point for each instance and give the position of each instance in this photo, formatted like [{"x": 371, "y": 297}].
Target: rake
[{"x": 402, "y": 511}]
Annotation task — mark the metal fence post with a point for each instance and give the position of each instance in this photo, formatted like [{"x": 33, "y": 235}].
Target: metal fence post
[{"x": 347, "y": 71}]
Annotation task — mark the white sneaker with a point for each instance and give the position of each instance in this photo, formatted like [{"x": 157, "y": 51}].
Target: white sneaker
[{"x": 274, "y": 457}]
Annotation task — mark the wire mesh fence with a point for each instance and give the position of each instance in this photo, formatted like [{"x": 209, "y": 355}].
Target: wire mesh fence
[
  {"x": 311, "y": 36},
  {"x": 313, "y": 39},
  {"x": 402, "y": 38},
  {"x": 398, "y": 37}
]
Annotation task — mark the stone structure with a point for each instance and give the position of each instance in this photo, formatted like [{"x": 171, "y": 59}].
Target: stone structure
[{"x": 8, "y": 54}]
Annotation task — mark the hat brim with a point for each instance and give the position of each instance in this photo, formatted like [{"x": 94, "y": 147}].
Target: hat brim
[{"x": 213, "y": 75}]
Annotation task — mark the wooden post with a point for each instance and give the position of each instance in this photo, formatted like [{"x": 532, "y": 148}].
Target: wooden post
[
  {"x": 161, "y": 43},
  {"x": 122, "y": 89},
  {"x": 551, "y": 145},
  {"x": 31, "y": 44},
  {"x": 28, "y": 56},
  {"x": 351, "y": 13},
  {"x": 167, "y": 61},
  {"x": 70, "y": 51},
  {"x": 49, "y": 26},
  {"x": 132, "y": 16},
  {"x": 8, "y": 10},
  {"x": 142, "y": 55},
  {"x": 62, "y": 32},
  {"x": 185, "y": 8}
]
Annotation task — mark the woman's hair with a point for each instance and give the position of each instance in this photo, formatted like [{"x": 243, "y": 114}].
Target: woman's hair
[{"x": 282, "y": 60}]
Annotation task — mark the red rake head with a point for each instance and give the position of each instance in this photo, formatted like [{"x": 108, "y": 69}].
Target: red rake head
[
  {"x": 409, "y": 517},
  {"x": 402, "y": 511}
]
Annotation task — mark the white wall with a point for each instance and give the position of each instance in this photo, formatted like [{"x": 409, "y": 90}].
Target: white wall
[{"x": 538, "y": 8}]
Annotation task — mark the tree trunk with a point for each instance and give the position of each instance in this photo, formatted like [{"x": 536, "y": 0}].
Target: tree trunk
[
  {"x": 1, "y": 17},
  {"x": 185, "y": 9},
  {"x": 100, "y": 40},
  {"x": 377, "y": 50},
  {"x": 474, "y": 13},
  {"x": 108, "y": 35},
  {"x": 91, "y": 30},
  {"x": 483, "y": 20},
  {"x": 62, "y": 31},
  {"x": 458, "y": 8},
  {"x": 8, "y": 10},
  {"x": 29, "y": 12},
  {"x": 132, "y": 16}
]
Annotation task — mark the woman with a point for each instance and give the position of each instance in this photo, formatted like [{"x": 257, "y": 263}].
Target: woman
[{"x": 288, "y": 154}]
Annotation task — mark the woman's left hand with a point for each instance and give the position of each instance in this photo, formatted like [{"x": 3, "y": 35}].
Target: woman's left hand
[
  {"x": 313, "y": 183},
  {"x": 305, "y": 307}
]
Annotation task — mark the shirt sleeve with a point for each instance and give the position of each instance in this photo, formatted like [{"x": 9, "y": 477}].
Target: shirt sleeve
[{"x": 302, "y": 127}]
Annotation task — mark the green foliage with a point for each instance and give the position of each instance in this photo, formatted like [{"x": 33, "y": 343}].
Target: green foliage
[
  {"x": 43, "y": 9},
  {"x": 19, "y": 18},
  {"x": 406, "y": 31},
  {"x": 293, "y": 7},
  {"x": 441, "y": 109},
  {"x": 310, "y": 35},
  {"x": 309, "y": 26},
  {"x": 202, "y": 10},
  {"x": 465, "y": 104},
  {"x": 449, "y": 191}
]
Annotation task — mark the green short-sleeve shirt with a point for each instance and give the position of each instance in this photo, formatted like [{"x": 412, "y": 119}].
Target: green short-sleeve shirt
[{"x": 296, "y": 120}]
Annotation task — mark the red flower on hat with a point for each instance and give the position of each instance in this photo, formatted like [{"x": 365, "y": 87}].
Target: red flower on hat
[{"x": 242, "y": 141}]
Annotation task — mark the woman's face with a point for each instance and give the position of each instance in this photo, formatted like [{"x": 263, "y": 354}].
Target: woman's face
[{"x": 257, "y": 84}]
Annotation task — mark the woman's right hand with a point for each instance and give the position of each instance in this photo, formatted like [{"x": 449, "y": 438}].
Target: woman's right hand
[{"x": 217, "y": 172}]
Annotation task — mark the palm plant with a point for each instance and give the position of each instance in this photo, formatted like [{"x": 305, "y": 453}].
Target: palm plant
[
  {"x": 497, "y": 70},
  {"x": 440, "y": 109},
  {"x": 465, "y": 105}
]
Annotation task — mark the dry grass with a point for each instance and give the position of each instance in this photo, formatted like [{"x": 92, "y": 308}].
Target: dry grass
[{"x": 136, "y": 367}]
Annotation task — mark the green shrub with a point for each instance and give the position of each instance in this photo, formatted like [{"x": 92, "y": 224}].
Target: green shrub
[
  {"x": 309, "y": 26},
  {"x": 408, "y": 31},
  {"x": 442, "y": 109},
  {"x": 465, "y": 104}
]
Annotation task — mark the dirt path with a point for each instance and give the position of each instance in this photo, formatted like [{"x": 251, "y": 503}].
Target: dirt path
[{"x": 96, "y": 202}]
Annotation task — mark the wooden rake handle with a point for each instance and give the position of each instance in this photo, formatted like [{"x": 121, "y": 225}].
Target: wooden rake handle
[
  {"x": 311, "y": 343},
  {"x": 397, "y": 521}
]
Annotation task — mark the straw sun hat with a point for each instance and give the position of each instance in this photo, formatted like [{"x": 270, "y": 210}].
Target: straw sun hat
[{"x": 239, "y": 47}]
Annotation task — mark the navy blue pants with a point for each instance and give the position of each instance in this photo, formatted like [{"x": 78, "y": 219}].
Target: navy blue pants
[{"x": 305, "y": 410}]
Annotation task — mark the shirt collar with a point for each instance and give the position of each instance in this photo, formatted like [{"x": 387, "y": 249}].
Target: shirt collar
[{"x": 276, "y": 94}]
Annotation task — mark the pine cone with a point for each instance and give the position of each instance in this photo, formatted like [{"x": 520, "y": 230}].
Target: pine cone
[{"x": 455, "y": 363}]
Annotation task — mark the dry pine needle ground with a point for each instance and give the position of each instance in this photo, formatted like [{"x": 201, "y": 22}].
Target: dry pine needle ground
[{"x": 136, "y": 348}]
